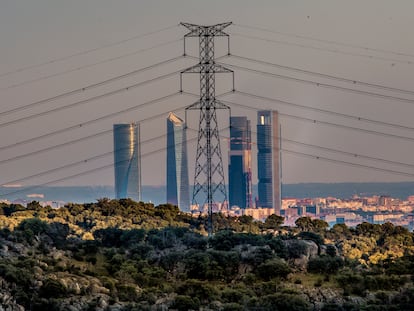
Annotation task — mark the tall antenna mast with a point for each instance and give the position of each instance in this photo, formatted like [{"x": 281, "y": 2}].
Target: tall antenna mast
[{"x": 209, "y": 174}]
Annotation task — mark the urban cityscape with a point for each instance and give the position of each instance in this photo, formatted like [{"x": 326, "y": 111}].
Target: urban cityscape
[{"x": 206, "y": 155}]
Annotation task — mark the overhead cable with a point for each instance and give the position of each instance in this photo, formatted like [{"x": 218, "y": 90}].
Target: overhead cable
[
  {"x": 315, "y": 121},
  {"x": 86, "y": 123},
  {"x": 86, "y": 172},
  {"x": 322, "y": 158},
  {"x": 325, "y": 111},
  {"x": 94, "y": 98},
  {"x": 59, "y": 59},
  {"x": 77, "y": 69},
  {"x": 77, "y": 163},
  {"x": 81, "y": 139},
  {"x": 88, "y": 87},
  {"x": 324, "y": 40},
  {"x": 323, "y": 75},
  {"x": 319, "y": 84}
]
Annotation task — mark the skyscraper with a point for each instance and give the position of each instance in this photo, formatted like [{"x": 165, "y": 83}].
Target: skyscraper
[
  {"x": 268, "y": 159},
  {"x": 177, "y": 167},
  {"x": 240, "y": 163},
  {"x": 127, "y": 161}
]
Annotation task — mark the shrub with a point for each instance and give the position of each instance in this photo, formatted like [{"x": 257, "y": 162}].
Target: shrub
[
  {"x": 325, "y": 264},
  {"x": 273, "y": 268},
  {"x": 52, "y": 289},
  {"x": 185, "y": 303},
  {"x": 281, "y": 301}
]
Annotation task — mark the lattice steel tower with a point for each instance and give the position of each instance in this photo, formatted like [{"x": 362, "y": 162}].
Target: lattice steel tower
[{"x": 209, "y": 174}]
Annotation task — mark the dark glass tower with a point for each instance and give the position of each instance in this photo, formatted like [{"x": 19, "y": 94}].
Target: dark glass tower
[
  {"x": 127, "y": 161},
  {"x": 177, "y": 167},
  {"x": 268, "y": 159},
  {"x": 240, "y": 163}
]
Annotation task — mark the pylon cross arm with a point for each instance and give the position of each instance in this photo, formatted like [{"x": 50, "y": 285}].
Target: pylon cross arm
[
  {"x": 197, "y": 30},
  {"x": 214, "y": 68}
]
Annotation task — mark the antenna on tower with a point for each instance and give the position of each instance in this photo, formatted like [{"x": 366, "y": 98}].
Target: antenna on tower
[{"x": 209, "y": 174}]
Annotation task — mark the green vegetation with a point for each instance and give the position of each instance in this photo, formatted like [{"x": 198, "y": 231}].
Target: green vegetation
[{"x": 126, "y": 255}]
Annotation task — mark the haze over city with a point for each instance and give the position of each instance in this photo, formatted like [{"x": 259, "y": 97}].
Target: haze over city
[{"x": 51, "y": 48}]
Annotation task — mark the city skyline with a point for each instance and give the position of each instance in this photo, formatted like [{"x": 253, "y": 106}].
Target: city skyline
[{"x": 42, "y": 142}]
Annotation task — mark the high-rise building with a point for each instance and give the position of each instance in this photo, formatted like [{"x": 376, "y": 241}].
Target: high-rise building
[
  {"x": 127, "y": 161},
  {"x": 240, "y": 163},
  {"x": 268, "y": 160},
  {"x": 177, "y": 167}
]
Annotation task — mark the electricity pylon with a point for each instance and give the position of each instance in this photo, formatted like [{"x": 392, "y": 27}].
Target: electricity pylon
[{"x": 209, "y": 174}]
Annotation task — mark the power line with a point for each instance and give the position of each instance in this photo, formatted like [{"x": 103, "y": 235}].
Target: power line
[
  {"x": 338, "y": 114},
  {"x": 336, "y": 51},
  {"x": 342, "y": 152},
  {"x": 108, "y": 116},
  {"x": 107, "y": 60},
  {"x": 59, "y": 59},
  {"x": 312, "y": 156},
  {"x": 325, "y": 123},
  {"x": 319, "y": 84},
  {"x": 315, "y": 121},
  {"x": 81, "y": 139},
  {"x": 66, "y": 166},
  {"x": 325, "y": 41},
  {"x": 86, "y": 172},
  {"x": 88, "y": 87},
  {"x": 316, "y": 157},
  {"x": 347, "y": 153},
  {"x": 323, "y": 75},
  {"x": 81, "y": 102}
]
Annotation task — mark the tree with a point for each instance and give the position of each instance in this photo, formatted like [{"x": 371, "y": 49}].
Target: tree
[
  {"x": 339, "y": 232},
  {"x": 313, "y": 225},
  {"x": 319, "y": 225},
  {"x": 304, "y": 223},
  {"x": 368, "y": 230},
  {"x": 223, "y": 240},
  {"x": 273, "y": 222}
]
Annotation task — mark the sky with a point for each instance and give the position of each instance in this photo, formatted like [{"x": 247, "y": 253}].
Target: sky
[{"x": 51, "y": 47}]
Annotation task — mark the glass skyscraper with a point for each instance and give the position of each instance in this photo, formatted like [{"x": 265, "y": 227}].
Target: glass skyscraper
[
  {"x": 127, "y": 161},
  {"x": 268, "y": 160},
  {"x": 177, "y": 167},
  {"x": 240, "y": 163}
]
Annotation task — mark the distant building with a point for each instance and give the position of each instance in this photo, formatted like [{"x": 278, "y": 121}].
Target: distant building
[
  {"x": 268, "y": 160},
  {"x": 385, "y": 200},
  {"x": 177, "y": 167},
  {"x": 127, "y": 161},
  {"x": 240, "y": 163}
]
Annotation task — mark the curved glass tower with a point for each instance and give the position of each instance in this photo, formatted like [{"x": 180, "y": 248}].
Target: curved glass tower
[
  {"x": 177, "y": 166},
  {"x": 127, "y": 161}
]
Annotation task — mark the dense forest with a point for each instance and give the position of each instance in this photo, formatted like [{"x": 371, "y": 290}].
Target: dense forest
[{"x": 126, "y": 255}]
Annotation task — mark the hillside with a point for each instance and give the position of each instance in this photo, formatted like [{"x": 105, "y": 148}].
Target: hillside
[{"x": 124, "y": 255}]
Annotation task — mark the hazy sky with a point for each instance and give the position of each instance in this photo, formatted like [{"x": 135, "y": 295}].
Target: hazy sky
[{"x": 48, "y": 31}]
